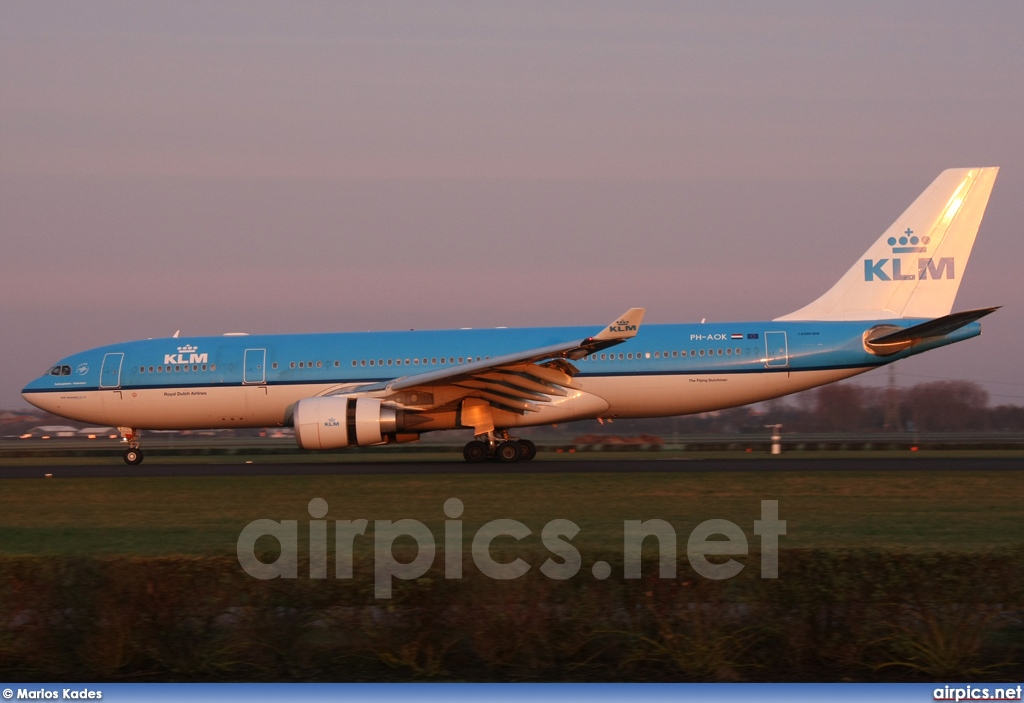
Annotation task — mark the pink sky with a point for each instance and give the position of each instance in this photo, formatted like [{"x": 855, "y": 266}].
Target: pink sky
[{"x": 307, "y": 166}]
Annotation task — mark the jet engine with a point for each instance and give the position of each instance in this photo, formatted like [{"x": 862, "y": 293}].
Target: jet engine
[{"x": 338, "y": 421}]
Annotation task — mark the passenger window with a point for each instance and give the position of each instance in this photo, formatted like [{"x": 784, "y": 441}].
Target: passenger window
[
  {"x": 151, "y": 369},
  {"x": 702, "y": 352},
  {"x": 319, "y": 364},
  {"x": 363, "y": 362},
  {"x": 371, "y": 362},
  {"x": 728, "y": 352}
]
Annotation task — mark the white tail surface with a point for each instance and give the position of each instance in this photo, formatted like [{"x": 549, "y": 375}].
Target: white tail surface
[{"x": 915, "y": 268}]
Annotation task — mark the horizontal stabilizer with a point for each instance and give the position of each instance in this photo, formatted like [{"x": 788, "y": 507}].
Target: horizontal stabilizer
[{"x": 938, "y": 327}]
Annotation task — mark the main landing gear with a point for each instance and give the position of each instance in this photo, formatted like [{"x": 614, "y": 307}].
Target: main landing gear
[
  {"x": 504, "y": 449},
  {"x": 132, "y": 455}
]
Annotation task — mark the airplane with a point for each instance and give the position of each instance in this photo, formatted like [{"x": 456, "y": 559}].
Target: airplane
[{"x": 353, "y": 389}]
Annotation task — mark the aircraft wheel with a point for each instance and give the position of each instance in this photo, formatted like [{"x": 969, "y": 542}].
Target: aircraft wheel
[
  {"x": 133, "y": 456},
  {"x": 474, "y": 452},
  {"x": 508, "y": 452},
  {"x": 527, "y": 450}
]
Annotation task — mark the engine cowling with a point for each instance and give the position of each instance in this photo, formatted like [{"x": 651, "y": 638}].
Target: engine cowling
[{"x": 338, "y": 421}]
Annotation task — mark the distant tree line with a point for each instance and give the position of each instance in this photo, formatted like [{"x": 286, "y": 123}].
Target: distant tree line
[{"x": 938, "y": 406}]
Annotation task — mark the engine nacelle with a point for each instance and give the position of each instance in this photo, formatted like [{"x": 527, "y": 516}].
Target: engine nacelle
[{"x": 338, "y": 421}]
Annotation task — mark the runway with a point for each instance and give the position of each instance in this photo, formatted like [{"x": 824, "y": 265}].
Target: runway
[{"x": 539, "y": 467}]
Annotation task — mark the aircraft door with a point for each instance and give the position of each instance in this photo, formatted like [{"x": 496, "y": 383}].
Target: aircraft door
[
  {"x": 110, "y": 373},
  {"x": 255, "y": 366},
  {"x": 776, "y": 349}
]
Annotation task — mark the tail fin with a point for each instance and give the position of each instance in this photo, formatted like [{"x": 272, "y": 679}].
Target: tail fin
[{"x": 914, "y": 269}]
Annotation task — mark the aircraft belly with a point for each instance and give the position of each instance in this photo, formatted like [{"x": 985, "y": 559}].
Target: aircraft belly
[
  {"x": 654, "y": 396},
  {"x": 182, "y": 408}
]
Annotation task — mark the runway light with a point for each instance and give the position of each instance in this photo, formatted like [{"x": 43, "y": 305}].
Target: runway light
[{"x": 913, "y": 449}]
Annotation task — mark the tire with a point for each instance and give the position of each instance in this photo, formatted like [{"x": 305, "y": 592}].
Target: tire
[
  {"x": 474, "y": 452},
  {"x": 508, "y": 452},
  {"x": 527, "y": 450},
  {"x": 133, "y": 456}
]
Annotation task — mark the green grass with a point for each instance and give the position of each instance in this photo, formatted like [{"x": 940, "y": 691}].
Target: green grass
[{"x": 900, "y": 510}]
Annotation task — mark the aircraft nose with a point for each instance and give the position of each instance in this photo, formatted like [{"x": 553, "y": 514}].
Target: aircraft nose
[
  {"x": 32, "y": 398},
  {"x": 33, "y": 395}
]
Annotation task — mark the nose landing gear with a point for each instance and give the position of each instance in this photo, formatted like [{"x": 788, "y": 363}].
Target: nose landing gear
[
  {"x": 132, "y": 437},
  {"x": 501, "y": 448}
]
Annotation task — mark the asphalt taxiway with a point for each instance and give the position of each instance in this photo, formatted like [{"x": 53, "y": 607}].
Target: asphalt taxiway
[{"x": 154, "y": 469}]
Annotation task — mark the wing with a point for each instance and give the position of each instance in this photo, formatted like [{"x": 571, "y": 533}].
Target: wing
[{"x": 518, "y": 382}]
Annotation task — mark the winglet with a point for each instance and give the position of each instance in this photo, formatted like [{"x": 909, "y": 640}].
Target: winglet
[{"x": 624, "y": 327}]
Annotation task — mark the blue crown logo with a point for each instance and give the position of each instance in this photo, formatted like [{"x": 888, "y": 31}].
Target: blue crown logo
[
  {"x": 187, "y": 349},
  {"x": 909, "y": 243}
]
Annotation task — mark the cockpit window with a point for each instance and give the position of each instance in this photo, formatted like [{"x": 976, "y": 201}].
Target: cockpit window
[{"x": 58, "y": 370}]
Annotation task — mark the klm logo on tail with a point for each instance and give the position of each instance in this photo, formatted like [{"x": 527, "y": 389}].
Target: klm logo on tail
[{"x": 892, "y": 269}]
